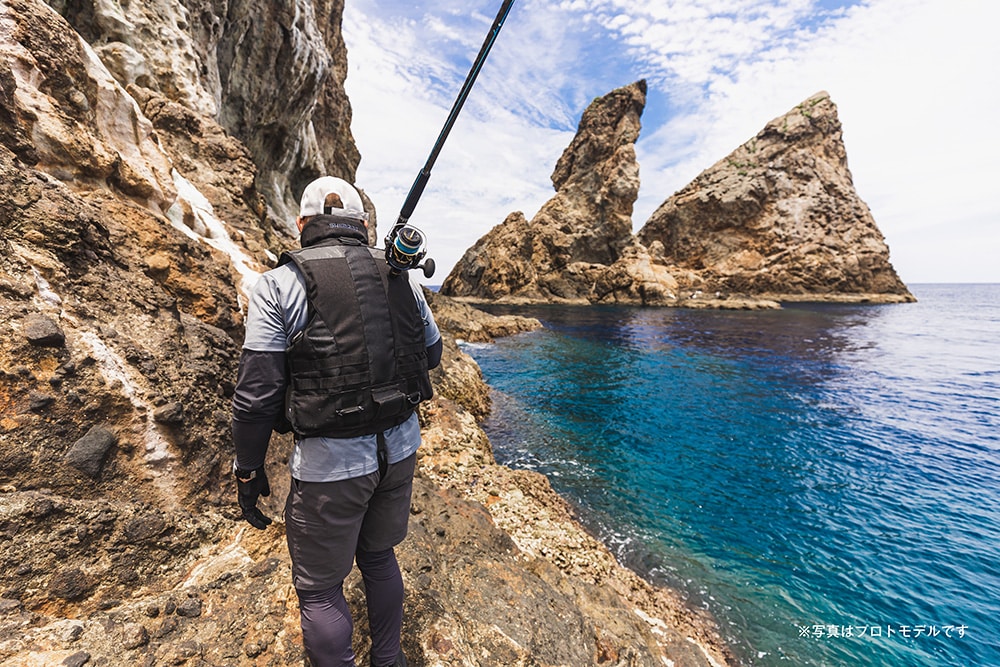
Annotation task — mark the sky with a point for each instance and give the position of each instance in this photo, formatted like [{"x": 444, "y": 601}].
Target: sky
[{"x": 916, "y": 84}]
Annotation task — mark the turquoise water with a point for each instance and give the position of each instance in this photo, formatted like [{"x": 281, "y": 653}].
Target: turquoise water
[{"x": 824, "y": 479}]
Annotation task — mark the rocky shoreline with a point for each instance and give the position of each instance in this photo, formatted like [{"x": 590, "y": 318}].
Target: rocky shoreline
[
  {"x": 698, "y": 300},
  {"x": 144, "y": 185},
  {"x": 498, "y": 571},
  {"x": 457, "y": 455}
]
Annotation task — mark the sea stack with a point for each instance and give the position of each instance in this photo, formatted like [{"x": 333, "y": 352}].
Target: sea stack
[
  {"x": 778, "y": 217},
  {"x": 777, "y": 220},
  {"x": 580, "y": 231}
]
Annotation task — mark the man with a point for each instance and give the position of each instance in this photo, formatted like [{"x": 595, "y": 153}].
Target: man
[{"x": 338, "y": 349}]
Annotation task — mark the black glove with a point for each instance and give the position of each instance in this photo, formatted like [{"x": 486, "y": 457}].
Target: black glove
[{"x": 251, "y": 485}]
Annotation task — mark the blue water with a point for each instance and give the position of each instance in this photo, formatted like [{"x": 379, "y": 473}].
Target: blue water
[{"x": 804, "y": 474}]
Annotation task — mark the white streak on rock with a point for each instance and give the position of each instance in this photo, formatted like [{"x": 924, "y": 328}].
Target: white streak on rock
[
  {"x": 45, "y": 290},
  {"x": 207, "y": 228},
  {"x": 211, "y": 566},
  {"x": 115, "y": 371}
]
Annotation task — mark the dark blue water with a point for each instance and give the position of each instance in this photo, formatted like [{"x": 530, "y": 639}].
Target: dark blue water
[{"x": 824, "y": 479}]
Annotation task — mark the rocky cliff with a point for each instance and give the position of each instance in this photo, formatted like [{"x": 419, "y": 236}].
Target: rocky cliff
[
  {"x": 778, "y": 219},
  {"x": 583, "y": 228},
  {"x": 136, "y": 211},
  {"x": 270, "y": 73}
]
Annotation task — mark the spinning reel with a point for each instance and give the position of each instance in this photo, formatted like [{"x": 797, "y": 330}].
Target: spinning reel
[{"x": 406, "y": 251}]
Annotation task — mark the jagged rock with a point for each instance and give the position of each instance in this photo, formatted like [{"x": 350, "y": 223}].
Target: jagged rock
[
  {"x": 779, "y": 216},
  {"x": 70, "y": 583},
  {"x": 171, "y": 413},
  {"x": 587, "y": 224},
  {"x": 221, "y": 168},
  {"x": 637, "y": 277},
  {"x": 82, "y": 124},
  {"x": 473, "y": 325},
  {"x": 87, "y": 453},
  {"x": 271, "y": 73},
  {"x": 778, "y": 219}
]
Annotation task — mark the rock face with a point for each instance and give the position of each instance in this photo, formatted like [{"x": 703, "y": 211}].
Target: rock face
[
  {"x": 778, "y": 219},
  {"x": 587, "y": 224},
  {"x": 131, "y": 229},
  {"x": 778, "y": 216},
  {"x": 271, "y": 73}
]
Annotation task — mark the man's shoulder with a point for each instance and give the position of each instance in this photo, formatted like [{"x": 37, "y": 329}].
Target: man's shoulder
[
  {"x": 282, "y": 273},
  {"x": 277, "y": 285}
]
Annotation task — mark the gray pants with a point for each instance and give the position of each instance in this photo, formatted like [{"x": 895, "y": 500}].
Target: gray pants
[{"x": 330, "y": 524}]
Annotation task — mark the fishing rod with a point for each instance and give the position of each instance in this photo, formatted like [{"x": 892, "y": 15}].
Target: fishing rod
[{"x": 406, "y": 245}]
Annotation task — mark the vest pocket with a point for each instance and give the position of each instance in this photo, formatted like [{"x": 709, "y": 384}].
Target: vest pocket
[
  {"x": 389, "y": 402},
  {"x": 315, "y": 412}
]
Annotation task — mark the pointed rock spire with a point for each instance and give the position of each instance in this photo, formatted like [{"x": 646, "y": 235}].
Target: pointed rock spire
[
  {"x": 779, "y": 216},
  {"x": 587, "y": 223}
]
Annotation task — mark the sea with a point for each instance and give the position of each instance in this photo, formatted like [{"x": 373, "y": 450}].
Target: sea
[{"x": 823, "y": 479}]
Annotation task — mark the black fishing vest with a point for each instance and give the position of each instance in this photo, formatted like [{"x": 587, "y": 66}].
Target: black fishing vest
[{"x": 360, "y": 365}]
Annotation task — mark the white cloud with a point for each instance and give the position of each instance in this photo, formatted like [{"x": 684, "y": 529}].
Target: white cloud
[{"x": 915, "y": 82}]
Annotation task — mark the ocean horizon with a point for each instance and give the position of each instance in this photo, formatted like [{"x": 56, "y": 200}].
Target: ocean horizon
[{"x": 823, "y": 479}]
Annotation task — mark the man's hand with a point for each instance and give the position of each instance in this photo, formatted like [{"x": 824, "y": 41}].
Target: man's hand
[{"x": 251, "y": 485}]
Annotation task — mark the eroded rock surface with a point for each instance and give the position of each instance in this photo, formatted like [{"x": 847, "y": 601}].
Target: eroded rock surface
[
  {"x": 778, "y": 219},
  {"x": 778, "y": 216},
  {"x": 584, "y": 227},
  {"x": 271, "y": 73}
]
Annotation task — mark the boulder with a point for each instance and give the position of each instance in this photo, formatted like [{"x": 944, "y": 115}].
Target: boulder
[{"x": 87, "y": 454}]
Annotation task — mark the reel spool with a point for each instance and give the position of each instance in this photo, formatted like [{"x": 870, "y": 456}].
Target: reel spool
[{"x": 406, "y": 251}]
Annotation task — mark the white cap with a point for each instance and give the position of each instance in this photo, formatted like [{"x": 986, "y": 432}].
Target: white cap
[{"x": 315, "y": 195}]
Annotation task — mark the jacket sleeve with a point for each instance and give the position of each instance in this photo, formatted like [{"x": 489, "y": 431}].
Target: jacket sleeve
[
  {"x": 434, "y": 353},
  {"x": 258, "y": 404}
]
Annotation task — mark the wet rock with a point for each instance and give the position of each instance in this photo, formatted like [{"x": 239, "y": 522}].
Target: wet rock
[
  {"x": 87, "y": 454},
  {"x": 42, "y": 331}
]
